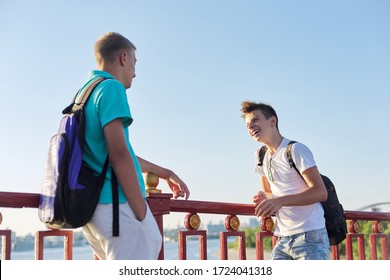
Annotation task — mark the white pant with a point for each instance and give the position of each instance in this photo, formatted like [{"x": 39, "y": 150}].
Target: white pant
[{"x": 136, "y": 241}]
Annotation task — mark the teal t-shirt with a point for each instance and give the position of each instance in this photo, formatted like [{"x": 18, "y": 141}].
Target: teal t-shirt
[{"x": 107, "y": 103}]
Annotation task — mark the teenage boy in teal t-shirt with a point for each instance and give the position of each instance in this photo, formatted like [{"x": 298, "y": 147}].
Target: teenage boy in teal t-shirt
[{"x": 108, "y": 119}]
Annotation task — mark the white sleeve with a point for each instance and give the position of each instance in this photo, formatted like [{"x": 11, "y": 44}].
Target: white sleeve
[{"x": 302, "y": 156}]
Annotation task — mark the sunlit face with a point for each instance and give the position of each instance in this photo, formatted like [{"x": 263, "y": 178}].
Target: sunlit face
[
  {"x": 257, "y": 125},
  {"x": 129, "y": 68}
]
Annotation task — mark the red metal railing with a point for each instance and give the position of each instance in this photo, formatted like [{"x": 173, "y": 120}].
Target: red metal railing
[{"x": 163, "y": 204}]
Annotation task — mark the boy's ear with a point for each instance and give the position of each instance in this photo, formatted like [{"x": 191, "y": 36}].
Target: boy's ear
[
  {"x": 273, "y": 121},
  {"x": 122, "y": 58}
]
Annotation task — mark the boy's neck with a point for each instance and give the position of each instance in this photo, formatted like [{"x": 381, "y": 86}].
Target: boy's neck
[{"x": 274, "y": 143}]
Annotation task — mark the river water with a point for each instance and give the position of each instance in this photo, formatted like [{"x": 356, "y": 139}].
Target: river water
[{"x": 85, "y": 252}]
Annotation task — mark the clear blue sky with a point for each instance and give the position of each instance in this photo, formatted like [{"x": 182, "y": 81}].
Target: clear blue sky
[{"x": 323, "y": 65}]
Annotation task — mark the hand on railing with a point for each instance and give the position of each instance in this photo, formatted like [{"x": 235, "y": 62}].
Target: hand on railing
[{"x": 177, "y": 186}]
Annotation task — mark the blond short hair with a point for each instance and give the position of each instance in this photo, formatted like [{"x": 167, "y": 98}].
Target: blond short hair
[{"x": 109, "y": 45}]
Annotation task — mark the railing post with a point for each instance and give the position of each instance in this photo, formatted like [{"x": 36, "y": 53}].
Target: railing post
[
  {"x": 223, "y": 255},
  {"x": 335, "y": 252},
  {"x": 68, "y": 242},
  {"x": 354, "y": 228},
  {"x": 266, "y": 225},
  {"x": 6, "y": 244},
  {"x": 192, "y": 223},
  {"x": 348, "y": 246},
  {"x": 378, "y": 228},
  {"x": 232, "y": 224},
  {"x": 159, "y": 204},
  {"x": 183, "y": 243}
]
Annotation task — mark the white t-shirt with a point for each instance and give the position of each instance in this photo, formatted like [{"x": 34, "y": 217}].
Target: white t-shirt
[{"x": 291, "y": 220}]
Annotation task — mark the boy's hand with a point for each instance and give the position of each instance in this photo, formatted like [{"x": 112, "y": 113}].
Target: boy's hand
[
  {"x": 259, "y": 197},
  {"x": 178, "y": 187}
]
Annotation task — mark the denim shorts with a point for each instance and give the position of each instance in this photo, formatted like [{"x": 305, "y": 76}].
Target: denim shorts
[{"x": 310, "y": 245}]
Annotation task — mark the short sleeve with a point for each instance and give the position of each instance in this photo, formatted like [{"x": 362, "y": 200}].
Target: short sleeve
[
  {"x": 302, "y": 156},
  {"x": 112, "y": 103}
]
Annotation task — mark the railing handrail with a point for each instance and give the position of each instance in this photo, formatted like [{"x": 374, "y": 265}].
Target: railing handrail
[
  {"x": 367, "y": 215},
  {"x": 211, "y": 207},
  {"x": 31, "y": 200},
  {"x": 19, "y": 200}
]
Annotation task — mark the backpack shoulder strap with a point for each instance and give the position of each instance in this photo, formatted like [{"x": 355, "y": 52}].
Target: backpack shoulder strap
[
  {"x": 84, "y": 96},
  {"x": 262, "y": 152},
  {"x": 289, "y": 156},
  {"x": 87, "y": 93}
]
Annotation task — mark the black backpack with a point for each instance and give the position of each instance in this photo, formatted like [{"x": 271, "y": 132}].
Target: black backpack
[
  {"x": 70, "y": 190},
  {"x": 335, "y": 221}
]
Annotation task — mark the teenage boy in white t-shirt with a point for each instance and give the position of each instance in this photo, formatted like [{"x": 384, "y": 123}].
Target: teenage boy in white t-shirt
[{"x": 294, "y": 200}]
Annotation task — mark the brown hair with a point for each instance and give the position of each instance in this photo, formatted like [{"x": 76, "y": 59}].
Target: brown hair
[{"x": 267, "y": 110}]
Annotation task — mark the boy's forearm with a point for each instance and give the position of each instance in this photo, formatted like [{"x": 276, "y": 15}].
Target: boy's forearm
[
  {"x": 147, "y": 166},
  {"x": 127, "y": 176}
]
